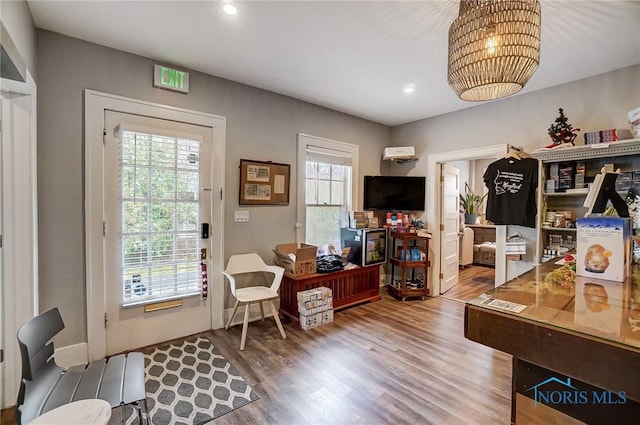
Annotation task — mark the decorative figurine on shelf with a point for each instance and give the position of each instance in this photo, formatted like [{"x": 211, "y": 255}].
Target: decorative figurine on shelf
[{"x": 561, "y": 131}]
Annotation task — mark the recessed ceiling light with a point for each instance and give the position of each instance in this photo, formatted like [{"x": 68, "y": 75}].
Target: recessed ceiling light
[
  {"x": 409, "y": 88},
  {"x": 230, "y": 9}
]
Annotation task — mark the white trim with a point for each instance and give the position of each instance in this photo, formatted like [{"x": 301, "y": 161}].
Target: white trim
[
  {"x": 433, "y": 209},
  {"x": 303, "y": 141},
  {"x": 20, "y": 225},
  {"x": 71, "y": 355},
  {"x": 95, "y": 105}
]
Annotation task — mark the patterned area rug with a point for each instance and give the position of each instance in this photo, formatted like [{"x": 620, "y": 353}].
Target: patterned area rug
[{"x": 190, "y": 383}]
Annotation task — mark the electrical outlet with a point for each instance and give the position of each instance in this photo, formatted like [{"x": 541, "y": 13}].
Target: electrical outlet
[{"x": 241, "y": 216}]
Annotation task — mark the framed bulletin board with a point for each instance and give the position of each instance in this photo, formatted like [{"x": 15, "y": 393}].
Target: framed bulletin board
[{"x": 264, "y": 183}]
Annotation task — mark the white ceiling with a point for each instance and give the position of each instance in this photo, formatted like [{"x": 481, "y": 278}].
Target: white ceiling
[{"x": 351, "y": 56}]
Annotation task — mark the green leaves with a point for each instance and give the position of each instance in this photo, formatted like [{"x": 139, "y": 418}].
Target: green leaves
[{"x": 470, "y": 203}]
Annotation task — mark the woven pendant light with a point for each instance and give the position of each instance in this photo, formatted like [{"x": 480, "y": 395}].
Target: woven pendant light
[{"x": 494, "y": 48}]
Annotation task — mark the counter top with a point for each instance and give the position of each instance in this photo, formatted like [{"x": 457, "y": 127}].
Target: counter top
[{"x": 555, "y": 297}]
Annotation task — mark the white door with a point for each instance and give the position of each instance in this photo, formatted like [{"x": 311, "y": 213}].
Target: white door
[
  {"x": 158, "y": 180},
  {"x": 450, "y": 224}
]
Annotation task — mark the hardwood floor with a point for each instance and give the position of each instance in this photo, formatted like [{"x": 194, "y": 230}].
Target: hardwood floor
[
  {"x": 473, "y": 281},
  {"x": 388, "y": 362}
]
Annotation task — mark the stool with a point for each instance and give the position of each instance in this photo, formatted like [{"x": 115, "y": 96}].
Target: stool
[{"x": 82, "y": 412}]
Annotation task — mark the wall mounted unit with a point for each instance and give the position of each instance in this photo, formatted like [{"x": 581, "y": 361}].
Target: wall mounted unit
[{"x": 400, "y": 154}]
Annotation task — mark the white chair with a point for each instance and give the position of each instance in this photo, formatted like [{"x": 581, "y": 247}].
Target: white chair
[{"x": 252, "y": 263}]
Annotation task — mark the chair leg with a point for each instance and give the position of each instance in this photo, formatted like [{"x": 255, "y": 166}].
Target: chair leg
[
  {"x": 275, "y": 316},
  {"x": 139, "y": 409},
  {"x": 122, "y": 413},
  {"x": 235, "y": 308},
  {"x": 245, "y": 325},
  {"x": 261, "y": 309},
  {"x": 146, "y": 411}
]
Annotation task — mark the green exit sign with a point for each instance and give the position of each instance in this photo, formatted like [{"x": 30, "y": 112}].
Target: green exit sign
[{"x": 170, "y": 79}]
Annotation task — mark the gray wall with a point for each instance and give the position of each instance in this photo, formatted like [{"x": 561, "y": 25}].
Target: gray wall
[
  {"x": 16, "y": 17},
  {"x": 591, "y": 104},
  {"x": 260, "y": 125}
]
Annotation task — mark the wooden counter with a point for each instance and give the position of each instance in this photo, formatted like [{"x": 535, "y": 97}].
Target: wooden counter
[
  {"x": 349, "y": 287},
  {"x": 578, "y": 328}
]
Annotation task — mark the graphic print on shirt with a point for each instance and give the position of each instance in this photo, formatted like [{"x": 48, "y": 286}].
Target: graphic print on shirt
[{"x": 508, "y": 182}]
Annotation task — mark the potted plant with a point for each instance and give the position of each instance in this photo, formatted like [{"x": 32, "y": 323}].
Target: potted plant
[{"x": 470, "y": 204}]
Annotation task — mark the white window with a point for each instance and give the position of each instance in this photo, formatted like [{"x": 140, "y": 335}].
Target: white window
[
  {"x": 329, "y": 188},
  {"x": 160, "y": 186}
]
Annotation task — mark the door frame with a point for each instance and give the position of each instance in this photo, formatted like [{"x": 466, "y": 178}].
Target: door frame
[
  {"x": 20, "y": 217},
  {"x": 434, "y": 201},
  {"x": 95, "y": 105}
]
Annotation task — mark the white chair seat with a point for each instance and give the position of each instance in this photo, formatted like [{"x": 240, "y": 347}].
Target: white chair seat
[
  {"x": 252, "y": 263},
  {"x": 255, "y": 293}
]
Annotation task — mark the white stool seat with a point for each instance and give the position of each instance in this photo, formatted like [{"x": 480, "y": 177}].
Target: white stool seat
[{"x": 81, "y": 412}]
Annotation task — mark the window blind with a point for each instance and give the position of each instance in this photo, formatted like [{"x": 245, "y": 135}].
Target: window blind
[
  {"x": 160, "y": 187},
  {"x": 328, "y": 156}
]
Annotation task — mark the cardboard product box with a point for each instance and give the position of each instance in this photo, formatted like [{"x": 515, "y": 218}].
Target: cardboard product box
[
  {"x": 624, "y": 181},
  {"x": 315, "y": 307},
  {"x": 297, "y": 260},
  {"x": 317, "y": 319},
  {"x": 360, "y": 223},
  {"x": 603, "y": 248},
  {"x": 357, "y": 215},
  {"x": 314, "y": 300}
]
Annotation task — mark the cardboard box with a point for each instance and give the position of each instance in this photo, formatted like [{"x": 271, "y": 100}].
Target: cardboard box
[
  {"x": 315, "y": 307},
  {"x": 314, "y": 300},
  {"x": 603, "y": 248},
  {"x": 317, "y": 319},
  {"x": 297, "y": 260}
]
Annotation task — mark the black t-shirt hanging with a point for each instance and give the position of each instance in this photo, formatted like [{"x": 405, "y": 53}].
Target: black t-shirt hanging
[{"x": 512, "y": 187}]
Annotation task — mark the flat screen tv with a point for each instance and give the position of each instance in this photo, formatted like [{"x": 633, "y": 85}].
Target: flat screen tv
[{"x": 394, "y": 193}]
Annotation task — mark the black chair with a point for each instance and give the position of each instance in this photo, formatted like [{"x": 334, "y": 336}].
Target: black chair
[{"x": 119, "y": 380}]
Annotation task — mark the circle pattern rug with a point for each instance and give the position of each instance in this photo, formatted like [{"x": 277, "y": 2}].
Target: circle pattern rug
[{"x": 190, "y": 383}]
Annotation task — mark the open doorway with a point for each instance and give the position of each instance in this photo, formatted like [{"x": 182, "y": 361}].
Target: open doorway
[
  {"x": 439, "y": 267},
  {"x": 475, "y": 259}
]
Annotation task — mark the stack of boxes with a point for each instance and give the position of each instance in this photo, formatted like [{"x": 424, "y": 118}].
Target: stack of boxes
[
  {"x": 609, "y": 135},
  {"x": 362, "y": 220},
  {"x": 357, "y": 220},
  {"x": 315, "y": 307},
  {"x": 628, "y": 180}
]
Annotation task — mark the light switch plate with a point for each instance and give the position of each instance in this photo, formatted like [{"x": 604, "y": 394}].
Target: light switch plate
[{"x": 241, "y": 216}]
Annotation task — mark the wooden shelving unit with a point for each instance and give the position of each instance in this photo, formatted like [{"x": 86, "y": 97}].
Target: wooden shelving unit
[{"x": 407, "y": 287}]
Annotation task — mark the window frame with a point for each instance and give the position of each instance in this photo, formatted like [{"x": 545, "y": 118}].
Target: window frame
[{"x": 348, "y": 149}]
